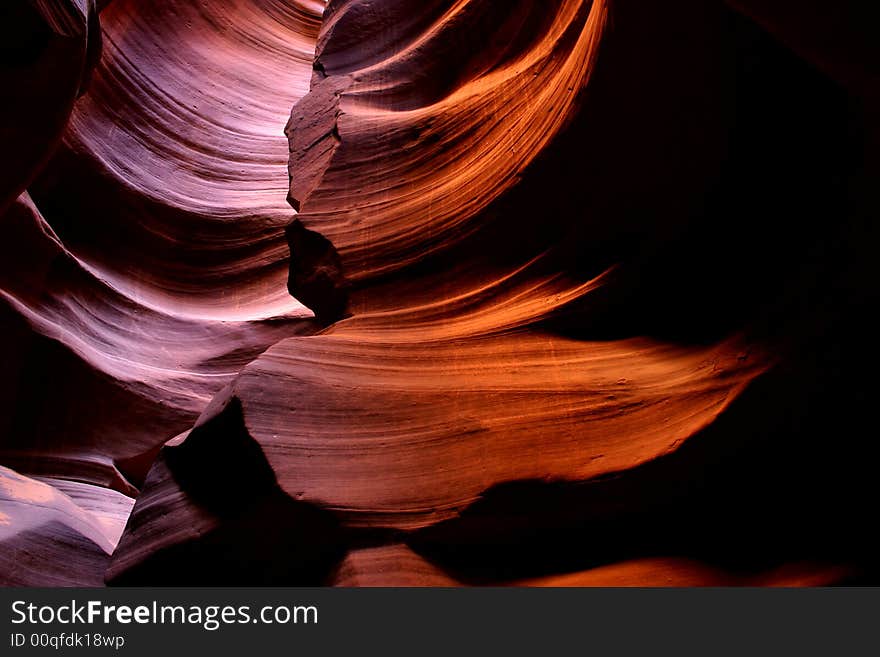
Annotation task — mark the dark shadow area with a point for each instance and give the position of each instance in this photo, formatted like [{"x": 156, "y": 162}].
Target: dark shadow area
[
  {"x": 24, "y": 34},
  {"x": 316, "y": 277},
  {"x": 260, "y": 536},
  {"x": 707, "y": 161},
  {"x": 724, "y": 177},
  {"x": 767, "y": 228},
  {"x": 787, "y": 473},
  {"x": 55, "y": 408}
]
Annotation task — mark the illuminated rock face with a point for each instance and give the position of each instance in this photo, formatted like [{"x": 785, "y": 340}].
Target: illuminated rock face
[{"x": 550, "y": 293}]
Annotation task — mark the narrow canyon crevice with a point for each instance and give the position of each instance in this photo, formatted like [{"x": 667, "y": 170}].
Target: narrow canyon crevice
[{"x": 440, "y": 293}]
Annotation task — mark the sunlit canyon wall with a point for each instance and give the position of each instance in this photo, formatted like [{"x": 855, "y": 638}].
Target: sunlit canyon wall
[{"x": 449, "y": 292}]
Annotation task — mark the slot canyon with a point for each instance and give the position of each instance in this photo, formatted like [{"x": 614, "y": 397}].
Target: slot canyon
[{"x": 438, "y": 293}]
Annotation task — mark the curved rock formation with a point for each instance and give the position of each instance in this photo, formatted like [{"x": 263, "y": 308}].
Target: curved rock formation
[
  {"x": 561, "y": 294},
  {"x": 109, "y": 353},
  {"x": 49, "y": 48},
  {"x": 49, "y": 540}
]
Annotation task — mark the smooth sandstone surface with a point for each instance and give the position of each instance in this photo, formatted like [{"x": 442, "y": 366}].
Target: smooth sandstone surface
[{"x": 459, "y": 292}]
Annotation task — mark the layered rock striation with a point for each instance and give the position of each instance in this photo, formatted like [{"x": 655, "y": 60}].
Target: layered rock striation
[{"x": 567, "y": 293}]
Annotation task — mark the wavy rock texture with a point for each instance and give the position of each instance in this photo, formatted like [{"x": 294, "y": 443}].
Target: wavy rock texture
[
  {"x": 108, "y": 354},
  {"x": 49, "y": 538},
  {"x": 562, "y": 293}
]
